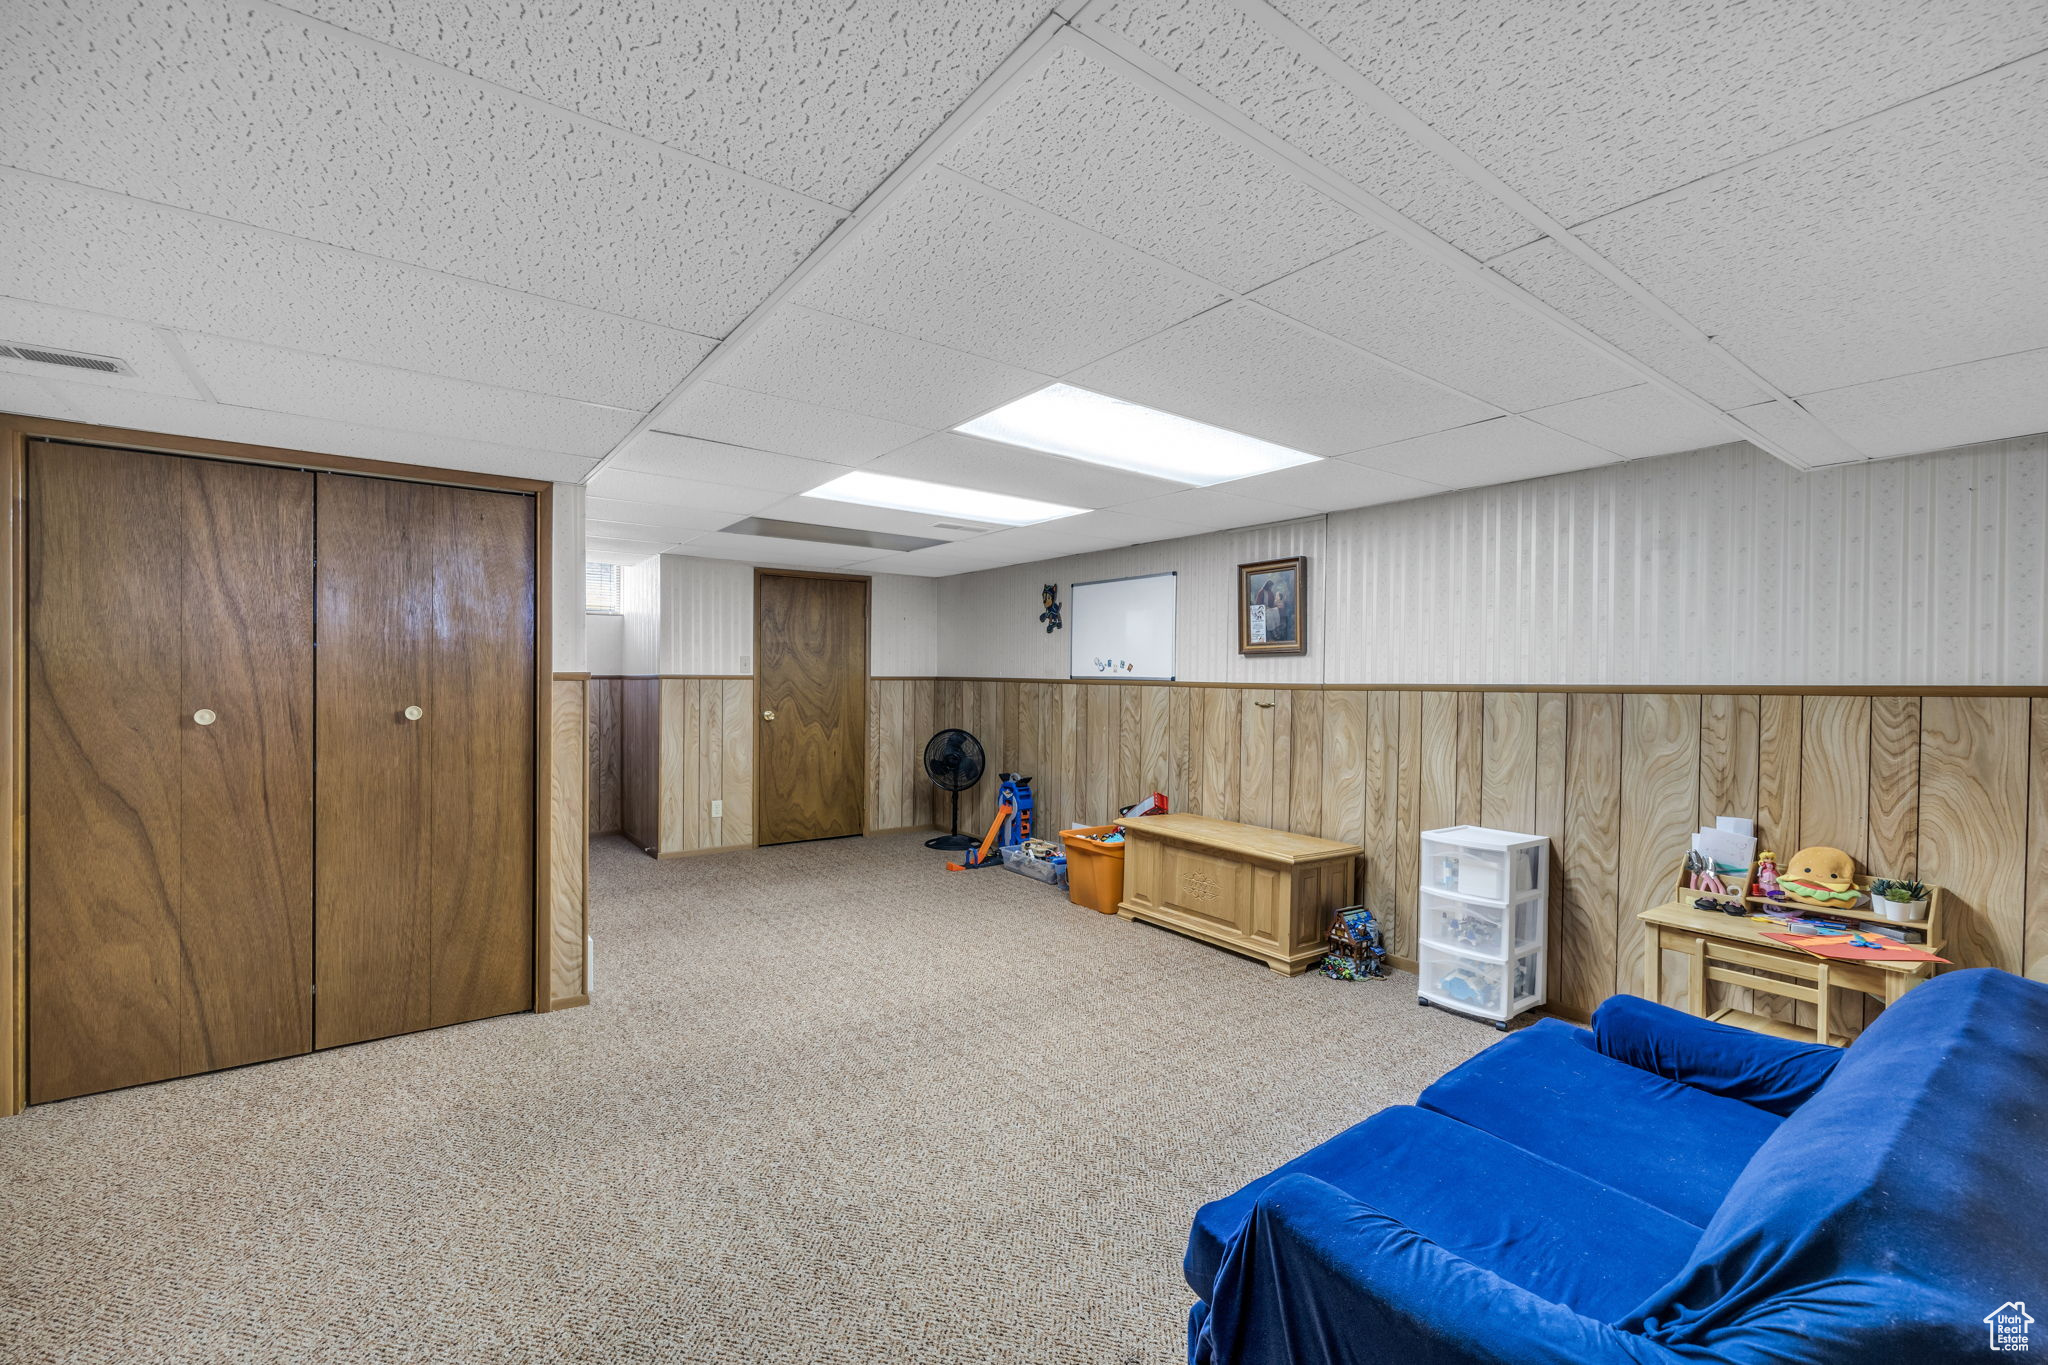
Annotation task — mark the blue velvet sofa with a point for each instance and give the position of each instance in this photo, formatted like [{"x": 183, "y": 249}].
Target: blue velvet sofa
[{"x": 1661, "y": 1189}]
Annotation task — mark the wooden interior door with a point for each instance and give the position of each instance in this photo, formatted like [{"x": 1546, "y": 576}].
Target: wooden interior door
[
  {"x": 170, "y": 715},
  {"x": 425, "y": 873},
  {"x": 811, "y": 643}
]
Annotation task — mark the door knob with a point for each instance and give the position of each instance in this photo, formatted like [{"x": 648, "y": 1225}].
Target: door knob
[
  {"x": 204, "y": 717},
  {"x": 412, "y": 713},
  {"x": 767, "y": 715}
]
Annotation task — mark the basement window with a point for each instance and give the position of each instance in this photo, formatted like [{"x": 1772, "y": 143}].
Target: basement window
[{"x": 601, "y": 589}]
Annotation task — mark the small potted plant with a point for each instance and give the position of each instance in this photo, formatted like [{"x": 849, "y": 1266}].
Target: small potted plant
[{"x": 1899, "y": 898}]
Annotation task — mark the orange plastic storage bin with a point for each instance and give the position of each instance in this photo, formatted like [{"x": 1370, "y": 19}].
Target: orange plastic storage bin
[{"x": 1095, "y": 870}]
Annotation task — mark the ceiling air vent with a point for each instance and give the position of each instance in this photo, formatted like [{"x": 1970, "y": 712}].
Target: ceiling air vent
[{"x": 53, "y": 355}]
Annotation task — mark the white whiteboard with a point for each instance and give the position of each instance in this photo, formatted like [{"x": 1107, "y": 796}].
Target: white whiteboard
[{"x": 1122, "y": 627}]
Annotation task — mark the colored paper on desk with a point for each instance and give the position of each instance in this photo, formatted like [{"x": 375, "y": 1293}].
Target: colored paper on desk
[{"x": 1842, "y": 948}]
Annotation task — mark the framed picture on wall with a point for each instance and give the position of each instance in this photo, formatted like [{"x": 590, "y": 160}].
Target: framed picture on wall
[{"x": 1272, "y": 606}]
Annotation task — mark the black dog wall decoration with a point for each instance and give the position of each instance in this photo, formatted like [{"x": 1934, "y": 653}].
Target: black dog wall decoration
[{"x": 1051, "y": 614}]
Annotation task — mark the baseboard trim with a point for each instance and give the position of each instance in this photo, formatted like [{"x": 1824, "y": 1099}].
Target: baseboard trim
[
  {"x": 901, "y": 829},
  {"x": 568, "y": 1002}
]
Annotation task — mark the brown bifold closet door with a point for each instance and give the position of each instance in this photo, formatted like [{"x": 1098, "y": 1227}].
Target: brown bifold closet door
[
  {"x": 425, "y": 765},
  {"x": 170, "y": 777}
]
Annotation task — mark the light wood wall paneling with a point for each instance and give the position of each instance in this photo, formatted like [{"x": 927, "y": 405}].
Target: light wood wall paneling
[
  {"x": 1894, "y": 786},
  {"x": 925, "y": 810},
  {"x": 1973, "y": 801},
  {"x": 1778, "y": 773},
  {"x": 1471, "y": 745},
  {"x": 1345, "y": 766},
  {"x": 607, "y": 755},
  {"x": 2037, "y": 848},
  {"x": 1402, "y": 712},
  {"x": 677, "y": 749},
  {"x": 1729, "y": 739},
  {"x": 736, "y": 782},
  {"x": 1258, "y": 738},
  {"x": 1834, "y": 798},
  {"x": 1182, "y": 721},
  {"x": 1585, "y": 923},
  {"x": 1305, "y": 787},
  {"x": 1130, "y": 752},
  {"x": 1553, "y": 731},
  {"x": 1382, "y": 823},
  {"x": 1219, "y": 742},
  {"x": 1507, "y": 785},
  {"x": 569, "y": 867},
  {"x": 1280, "y": 781},
  {"x": 1443, "y": 761},
  {"x": 1659, "y": 803}
]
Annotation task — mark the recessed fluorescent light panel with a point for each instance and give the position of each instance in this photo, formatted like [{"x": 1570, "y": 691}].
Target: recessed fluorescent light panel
[
  {"x": 939, "y": 499},
  {"x": 1063, "y": 420}
]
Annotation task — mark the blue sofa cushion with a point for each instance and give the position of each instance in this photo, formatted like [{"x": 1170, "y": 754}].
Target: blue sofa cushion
[
  {"x": 1547, "y": 1091},
  {"x": 1770, "y": 1073},
  {"x": 1894, "y": 1209},
  {"x": 1548, "y": 1230}
]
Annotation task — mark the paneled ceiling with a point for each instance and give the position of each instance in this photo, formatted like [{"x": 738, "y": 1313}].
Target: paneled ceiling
[{"x": 706, "y": 258}]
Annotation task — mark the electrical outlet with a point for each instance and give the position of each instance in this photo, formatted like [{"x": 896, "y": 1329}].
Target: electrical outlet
[{"x": 718, "y": 810}]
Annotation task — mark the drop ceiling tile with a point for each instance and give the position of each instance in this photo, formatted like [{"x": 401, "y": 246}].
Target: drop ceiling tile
[
  {"x": 819, "y": 358},
  {"x": 622, "y": 488},
  {"x": 248, "y": 375},
  {"x": 155, "y": 364},
  {"x": 1214, "y": 45},
  {"x": 1637, "y": 422},
  {"x": 355, "y": 145},
  {"x": 1984, "y": 400},
  {"x": 824, "y": 97},
  {"x": 771, "y": 550},
  {"x": 1907, "y": 244},
  {"x": 1333, "y": 486},
  {"x": 1112, "y": 527},
  {"x": 938, "y": 561},
  {"x": 1243, "y": 368},
  {"x": 1602, "y": 307},
  {"x": 686, "y": 457},
  {"x": 1503, "y": 450},
  {"x": 1218, "y": 508},
  {"x": 955, "y": 266},
  {"x": 85, "y": 248},
  {"x": 967, "y": 461},
  {"x": 1051, "y": 541},
  {"x": 890, "y": 521},
  {"x": 1083, "y": 142},
  {"x": 1390, "y": 298},
  {"x": 30, "y": 397},
  {"x": 1590, "y": 108},
  {"x": 741, "y": 417},
  {"x": 1797, "y": 434},
  {"x": 321, "y": 435},
  {"x": 669, "y": 519}
]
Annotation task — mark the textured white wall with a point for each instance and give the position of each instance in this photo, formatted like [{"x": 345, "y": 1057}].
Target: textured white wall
[
  {"x": 565, "y": 570},
  {"x": 1716, "y": 567},
  {"x": 903, "y": 614},
  {"x": 707, "y": 616},
  {"x": 640, "y": 610},
  {"x": 605, "y": 644}
]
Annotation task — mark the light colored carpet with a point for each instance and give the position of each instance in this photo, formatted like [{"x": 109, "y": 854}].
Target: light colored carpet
[{"x": 832, "y": 1104}]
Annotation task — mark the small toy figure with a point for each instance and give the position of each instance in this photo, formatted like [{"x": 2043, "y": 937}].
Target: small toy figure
[
  {"x": 1767, "y": 877},
  {"x": 1051, "y": 615},
  {"x": 1821, "y": 876}
]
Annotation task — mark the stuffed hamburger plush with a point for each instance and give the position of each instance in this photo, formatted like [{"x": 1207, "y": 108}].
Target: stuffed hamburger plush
[{"x": 1822, "y": 877}]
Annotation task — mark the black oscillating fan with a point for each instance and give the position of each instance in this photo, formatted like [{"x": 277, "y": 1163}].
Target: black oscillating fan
[{"x": 954, "y": 762}]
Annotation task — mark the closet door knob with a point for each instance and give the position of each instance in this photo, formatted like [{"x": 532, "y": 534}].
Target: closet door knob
[
  {"x": 204, "y": 717},
  {"x": 767, "y": 715},
  {"x": 412, "y": 713}
]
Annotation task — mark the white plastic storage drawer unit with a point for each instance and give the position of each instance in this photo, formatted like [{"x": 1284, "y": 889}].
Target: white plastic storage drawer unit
[{"x": 1482, "y": 923}]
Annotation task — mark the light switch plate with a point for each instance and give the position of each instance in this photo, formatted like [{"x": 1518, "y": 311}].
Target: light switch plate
[{"x": 718, "y": 810}]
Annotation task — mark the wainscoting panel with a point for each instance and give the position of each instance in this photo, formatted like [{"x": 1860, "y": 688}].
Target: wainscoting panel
[
  {"x": 1953, "y": 788},
  {"x": 607, "y": 751},
  {"x": 686, "y": 742},
  {"x": 569, "y": 848}
]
